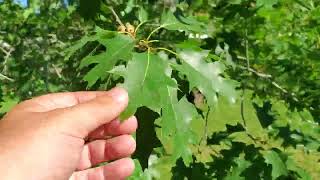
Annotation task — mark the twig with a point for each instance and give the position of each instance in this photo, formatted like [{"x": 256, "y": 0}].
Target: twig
[
  {"x": 94, "y": 50},
  {"x": 8, "y": 53},
  {"x": 247, "y": 50},
  {"x": 243, "y": 117},
  {"x": 57, "y": 71},
  {"x": 6, "y": 77},
  {"x": 285, "y": 91},
  {"x": 116, "y": 16},
  {"x": 242, "y": 111},
  {"x": 6, "y": 58},
  {"x": 265, "y": 76},
  {"x": 262, "y": 75},
  {"x": 206, "y": 125},
  {"x": 269, "y": 77}
]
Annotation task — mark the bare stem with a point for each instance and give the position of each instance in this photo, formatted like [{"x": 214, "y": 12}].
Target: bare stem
[
  {"x": 6, "y": 77},
  {"x": 269, "y": 77},
  {"x": 116, "y": 16},
  {"x": 247, "y": 50},
  {"x": 6, "y": 58}
]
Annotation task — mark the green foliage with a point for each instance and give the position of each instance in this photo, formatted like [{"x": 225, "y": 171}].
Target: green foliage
[
  {"x": 278, "y": 166},
  {"x": 7, "y": 104},
  {"x": 32, "y": 41},
  {"x": 119, "y": 47},
  {"x": 221, "y": 122},
  {"x": 232, "y": 87}
]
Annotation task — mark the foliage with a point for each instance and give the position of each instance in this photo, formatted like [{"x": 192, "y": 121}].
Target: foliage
[
  {"x": 222, "y": 89},
  {"x": 32, "y": 41}
]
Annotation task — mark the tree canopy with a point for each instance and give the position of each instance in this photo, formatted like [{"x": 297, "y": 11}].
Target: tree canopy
[{"x": 222, "y": 89}]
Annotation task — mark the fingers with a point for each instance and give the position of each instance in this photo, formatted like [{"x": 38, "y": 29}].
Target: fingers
[
  {"x": 83, "y": 118},
  {"x": 100, "y": 151},
  {"x": 114, "y": 128},
  {"x": 58, "y": 100},
  {"x": 116, "y": 170}
]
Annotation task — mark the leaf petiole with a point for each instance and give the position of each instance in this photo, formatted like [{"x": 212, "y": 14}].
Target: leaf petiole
[
  {"x": 168, "y": 50},
  {"x": 157, "y": 29}
]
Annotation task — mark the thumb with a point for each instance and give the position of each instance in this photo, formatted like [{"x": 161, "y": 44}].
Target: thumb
[{"x": 81, "y": 119}]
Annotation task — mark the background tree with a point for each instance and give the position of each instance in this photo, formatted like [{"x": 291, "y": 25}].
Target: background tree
[{"x": 222, "y": 89}]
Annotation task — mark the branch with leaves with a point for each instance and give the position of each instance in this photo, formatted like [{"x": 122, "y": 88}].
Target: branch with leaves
[{"x": 7, "y": 50}]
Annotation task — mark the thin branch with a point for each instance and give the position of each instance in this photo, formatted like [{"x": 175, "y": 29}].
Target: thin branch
[
  {"x": 206, "y": 125},
  {"x": 5, "y": 51},
  {"x": 57, "y": 71},
  {"x": 116, "y": 16},
  {"x": 6, "y": 77},
  {"x": 204, "y": 137},
  {"x": 94, "y": 50},
  {"x": 285, "y": 91},
  {"x": 247, "y": 50},
  {"x": 269, "y": 77},
  {"x": 242, "y": 111},
  {"x": 108, "y": 82},
  {"x": 262, "y": 75},
  {"x": 6, "y": 58},
  {"x": 243, "y": 117}
]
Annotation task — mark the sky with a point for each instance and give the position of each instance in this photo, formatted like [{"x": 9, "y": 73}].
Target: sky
[{"x": 23, "y": 2}]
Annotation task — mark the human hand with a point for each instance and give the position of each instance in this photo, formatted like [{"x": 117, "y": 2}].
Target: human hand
[{"x": 64, "y": 135}]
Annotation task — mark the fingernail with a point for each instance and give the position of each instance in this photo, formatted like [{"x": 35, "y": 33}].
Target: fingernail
[{"x": 119, "y": 94}]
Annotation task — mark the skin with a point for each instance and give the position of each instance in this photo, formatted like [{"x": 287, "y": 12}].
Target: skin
[{"x": 65, "y": 135}]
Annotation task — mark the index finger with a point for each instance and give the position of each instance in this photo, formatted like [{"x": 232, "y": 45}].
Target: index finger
[
  {"x": 53, "y": 101},
  {"x": 83, "y": 118}
]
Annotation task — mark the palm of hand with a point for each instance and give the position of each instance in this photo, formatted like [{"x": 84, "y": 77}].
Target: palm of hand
[{"x": 65, "y": 135}]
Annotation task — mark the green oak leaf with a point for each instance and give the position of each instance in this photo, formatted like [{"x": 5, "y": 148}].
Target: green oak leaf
[
  {"x": 159, "y": 168},
  {"x": 235, "y": 171},
  {"x": 301, "y": 121},
  {"x": 242, "y": 137},
  {"x": 100, "y": 35},
  {"x": 235, "y": 1},
  {"x": 118, "y": 47},
  {"x": 267, "y": 3},
  {"x": 293, "y": 166},
  {"x": 206, "y": 76},
  {"x": 306, "y": 160},
  {"x": 138, "y": 172},
  {"x": 142, "y": 15},
  {"x": 278, "y": 166},
  {"x": 175, "y": 133},
  {"x": 77, "y": 45},
  {"x": 232, "y": 113},
  {"x": 180, "y": 23},
  {"x": 253, "y": 125},
  {"x": 205, "y": 153},
  {"x": 7, "y": 104},
  {"x": 186, "y": 113},
  {"x": 223, "y": 114},
  {"x": 143, "y": 77}
]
